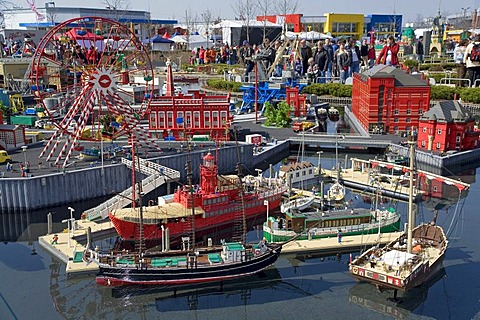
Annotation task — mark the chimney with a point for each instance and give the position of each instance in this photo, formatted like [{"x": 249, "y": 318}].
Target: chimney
[{"x": 170, "y": 91}]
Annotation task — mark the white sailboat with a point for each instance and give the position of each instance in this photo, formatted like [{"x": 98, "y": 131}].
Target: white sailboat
[
  {"x": 410, "y": 260},
  {"x": 299, "y": 203}
]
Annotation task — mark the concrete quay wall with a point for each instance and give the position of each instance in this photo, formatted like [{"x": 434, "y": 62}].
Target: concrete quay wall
[{"x": 57, "y": 189}]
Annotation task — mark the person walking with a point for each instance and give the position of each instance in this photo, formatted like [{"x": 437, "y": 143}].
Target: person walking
[
  {"x": 329, "y": 48},
  {"x": 389, "y": 54},
  {"x": 458, "y": 55},
  {"x": 342, "y": 62},
  {"x": 354, "y": 56},
  {"x": 321, "y": 59},
  {"x": 364, "y": 53},
  {"x": 339, "y": 236},
  {"x": 472, "y": 60},
  {"x": 248, "y": 58},
  {"x": 419, "y": 49},
  {"x": 371, "y": 55},
  {"x": 305, "y": 53}
]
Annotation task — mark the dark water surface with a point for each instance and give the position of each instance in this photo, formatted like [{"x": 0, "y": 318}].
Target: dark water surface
[{"x": 297, "y": 287}]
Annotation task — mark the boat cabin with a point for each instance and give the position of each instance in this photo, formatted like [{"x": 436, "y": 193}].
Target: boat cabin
[{"x": 299, "y": 222}]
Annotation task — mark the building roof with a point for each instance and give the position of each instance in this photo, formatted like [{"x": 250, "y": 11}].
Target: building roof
[
  {"x": 402, "y": 79},
  {"x": 296, "y": 166},
  {"x": 447, "y": 111},
  {"x": 8, "y": 127}
]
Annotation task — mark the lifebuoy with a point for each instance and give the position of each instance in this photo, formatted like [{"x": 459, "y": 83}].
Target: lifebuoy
[{"x": 257, "y": 252}]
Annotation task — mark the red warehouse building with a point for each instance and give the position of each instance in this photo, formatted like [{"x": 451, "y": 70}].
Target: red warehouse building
[
  {"x": 388, "y": 100},
  {"x": 171, "y": 116},
  {"x": 447, "y": 126}
]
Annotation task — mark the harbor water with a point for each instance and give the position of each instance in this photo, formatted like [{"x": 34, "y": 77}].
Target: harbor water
[{"x": 34, "y": 284}]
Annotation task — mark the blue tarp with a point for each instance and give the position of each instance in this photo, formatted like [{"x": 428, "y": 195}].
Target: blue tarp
[{"x": 157, "y": 39}]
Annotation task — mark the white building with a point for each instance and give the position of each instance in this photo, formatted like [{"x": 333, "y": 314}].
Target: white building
[
  {"x": 50, "y": 15},
  {"x": 297, "y": 172}
]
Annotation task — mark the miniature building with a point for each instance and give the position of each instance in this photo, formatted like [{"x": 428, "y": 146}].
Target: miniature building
[
  {"x": 11, "y": 136},
  {"x": 171, "y": 116},
  {"x": 388, "y": 100},
  {"x": 296, "y": 172},
  {"x": 297, "y": 101},
  {"x": 447, "y": 126}
]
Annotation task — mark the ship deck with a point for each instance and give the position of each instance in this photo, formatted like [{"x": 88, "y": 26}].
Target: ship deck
[{"x": 171, "y": 210}]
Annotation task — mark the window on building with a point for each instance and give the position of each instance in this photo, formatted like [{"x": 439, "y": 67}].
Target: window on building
[
  {"x": 438, "y": 145},
  {"x": 424, "y": 130},
  {"x": 435, "y": 189},
  {"x": 188, "y": 119},
  {"x": 206, "y": 119},
  {"x": 153, "y": 120},
  {"x": 396, "y": 112},
  {"x": 458, "y": 139},
  {"x": 439, "y": 131},
  {"x": 395, "y": 120},
  {"x": 297, "y": 174},
  {"x": 423, "y": 143},
  {"x": 161, "y": 119},
  {"x": 408, "y": 120},
  {"x": 395, "y": 128},
  {"x": 170, "y": 119},
  {"x": 223, "y": 116},
  {"x": 448, "y": 130},
  {"x": 409, "y": 111},
  {"x": 215, "y": 119},
  {"x": 420, "y": 111},
  {"x": 196, "y": 119}
]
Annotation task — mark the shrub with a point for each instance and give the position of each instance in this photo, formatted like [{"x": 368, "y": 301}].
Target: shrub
[
  {"x": 332, "y": 89},
  {"x": 442, "y": 93},
  {"x": 220, "y": 84}
]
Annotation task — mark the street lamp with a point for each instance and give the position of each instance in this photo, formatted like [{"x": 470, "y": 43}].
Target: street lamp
[
  {"x": 71, "y": 224},
  {"x": 24, "y": 151},
  {"x": 319, "y": 163}
]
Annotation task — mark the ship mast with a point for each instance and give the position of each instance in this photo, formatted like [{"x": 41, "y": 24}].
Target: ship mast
[
  {"x": 411, "y": 215},
  {"x": 188, "y": 169},
  {"x": 241, "y": 189}
]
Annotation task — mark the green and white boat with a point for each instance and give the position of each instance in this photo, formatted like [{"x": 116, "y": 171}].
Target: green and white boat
[{"x": 323, "y": 224}]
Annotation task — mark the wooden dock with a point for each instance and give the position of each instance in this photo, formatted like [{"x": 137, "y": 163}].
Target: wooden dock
[
  {"x": 70, "y": 251},
  {"x": 330, "y": 246}
]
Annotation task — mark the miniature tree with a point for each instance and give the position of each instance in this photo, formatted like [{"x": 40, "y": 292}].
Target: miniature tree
[
  {"x": 282, "y": 116},
  {"x": 270, "y": 114}
]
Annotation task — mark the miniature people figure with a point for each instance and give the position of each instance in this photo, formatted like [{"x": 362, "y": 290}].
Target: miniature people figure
[
  {"x": 339, "y": 236},
  {"x": 55, "y": 239}
]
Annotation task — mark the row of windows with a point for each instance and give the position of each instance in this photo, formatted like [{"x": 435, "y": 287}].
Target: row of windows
[
  {"x": 215, "y": 200},
  {"x": 409, "y": 111},
  {"x": 209, "y": 119},
  {"x": 407, "y": 120},
  {"x": 343, "y": 222},
  {"x": 304, "y": 173}
]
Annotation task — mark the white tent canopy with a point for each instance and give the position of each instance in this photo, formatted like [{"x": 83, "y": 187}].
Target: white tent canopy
[
  {"x": 228, "y": 25},
  {"x": 194, "y": 41}
]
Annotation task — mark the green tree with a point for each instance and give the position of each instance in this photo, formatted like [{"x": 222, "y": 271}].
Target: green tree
[
  {"x": 282, "y": 117},
  {"x": 270, "y": 114}
]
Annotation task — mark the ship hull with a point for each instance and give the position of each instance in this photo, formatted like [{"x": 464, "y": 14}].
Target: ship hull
[
  {"x": 418, "y": 274},
  {"x": 115, "y": 276},
  {"x": 129, "y": 230},
  {"x": 278, "y": 238}
]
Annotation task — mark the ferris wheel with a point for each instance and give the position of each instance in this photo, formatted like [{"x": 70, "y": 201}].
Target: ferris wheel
[{"x": 94, "y": 79}]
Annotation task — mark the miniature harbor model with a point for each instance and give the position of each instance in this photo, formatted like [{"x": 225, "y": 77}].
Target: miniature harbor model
[
  {"x": 410, "y": 260},
  {"x": 216, "y": 205},
  {"x": 315, "y": 224},
  {"x": 190, "y": 266}
]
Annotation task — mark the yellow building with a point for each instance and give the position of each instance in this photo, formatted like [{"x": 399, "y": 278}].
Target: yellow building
[{"x": 344, "y": 25}]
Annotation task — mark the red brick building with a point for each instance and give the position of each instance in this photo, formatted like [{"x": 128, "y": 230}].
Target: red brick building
[
  {"x": 388, "y": 100},
  {"x": 195, "y": 113},
  {"x": 447, "y": 126}
]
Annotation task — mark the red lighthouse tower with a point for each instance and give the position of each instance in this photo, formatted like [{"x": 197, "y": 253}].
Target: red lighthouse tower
[{"x": 209, "y": 171}]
